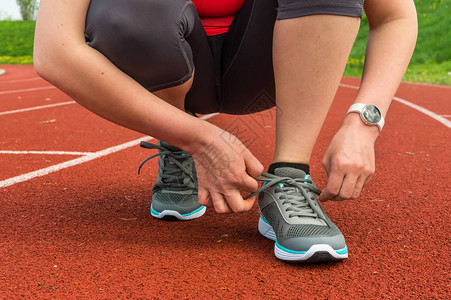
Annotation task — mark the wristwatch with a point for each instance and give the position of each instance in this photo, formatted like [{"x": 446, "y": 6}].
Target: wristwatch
[{"x": 369, "y": 114}]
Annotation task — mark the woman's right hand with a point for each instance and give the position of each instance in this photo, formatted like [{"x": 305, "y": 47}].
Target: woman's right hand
[{"x": 224, "y": 168}]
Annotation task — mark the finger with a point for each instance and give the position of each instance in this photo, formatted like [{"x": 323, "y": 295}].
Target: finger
[
  {"x": 326, "y": 165},
  {"x": 207, "y": 202},
  {"x": 237, "y": 203},
  {"x": 333, "y": 186},
  {"x": 202, "y": 196},
  {"x": 361, "y": 182},
  {"x": 234, "y": 200},
  {"x": 253, "y": 166},
  {"x": 249, "y": 203},
  {"x": 249, "y": 184},
  {"x": 220, "y": 204},
  {"x": 347, "y": 187},
  {"x": 368, "y": 179},
  {"x": 359, "y": 186}
]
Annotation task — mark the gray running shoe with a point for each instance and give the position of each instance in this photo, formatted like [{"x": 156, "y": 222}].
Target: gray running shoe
[
  {"x": 292, "y": 217},
  {"x": 174, "y": 194}
]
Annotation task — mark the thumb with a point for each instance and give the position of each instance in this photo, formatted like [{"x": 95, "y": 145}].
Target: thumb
[
  {"x": 202, "y": 195},
  {"x": 249, "y": 184},
  {"x": 324, "y": 196},
  {"x": 253, "y": 166}
]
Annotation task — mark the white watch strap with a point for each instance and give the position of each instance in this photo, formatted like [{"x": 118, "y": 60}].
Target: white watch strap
[
  {"x": 381, "y": 123},
  {"x": 358, "y": 107}
]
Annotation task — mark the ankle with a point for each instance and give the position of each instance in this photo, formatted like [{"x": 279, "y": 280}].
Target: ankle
[
  {"x": 300, "y": 166},
  {"x": 298, "y": 157}
]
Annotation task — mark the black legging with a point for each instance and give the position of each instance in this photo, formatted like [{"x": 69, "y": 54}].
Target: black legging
[{"x": 160, "y": 43}]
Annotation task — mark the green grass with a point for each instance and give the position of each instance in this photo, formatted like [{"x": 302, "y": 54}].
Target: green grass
[
  {"x": 431, "y": 61},
  {"x": 16, "y": 42}
]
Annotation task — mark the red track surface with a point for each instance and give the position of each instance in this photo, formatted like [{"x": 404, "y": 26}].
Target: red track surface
[{"x": 86, "y": 231}]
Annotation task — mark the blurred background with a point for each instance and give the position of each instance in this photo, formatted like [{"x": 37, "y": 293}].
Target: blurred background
[{"x": 431, "y": 62}]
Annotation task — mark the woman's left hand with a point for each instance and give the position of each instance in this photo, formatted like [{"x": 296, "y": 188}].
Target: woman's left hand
[{"x": 349, "y": 160}]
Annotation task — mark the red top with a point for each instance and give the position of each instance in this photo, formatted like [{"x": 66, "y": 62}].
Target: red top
[{"x": 217, "y": 15}]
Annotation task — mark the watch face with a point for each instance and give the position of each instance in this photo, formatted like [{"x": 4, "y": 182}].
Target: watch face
[{"x": 371, "y": 114}]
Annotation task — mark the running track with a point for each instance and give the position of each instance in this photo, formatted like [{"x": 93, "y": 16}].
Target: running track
[{"x": 75, "y": 218}]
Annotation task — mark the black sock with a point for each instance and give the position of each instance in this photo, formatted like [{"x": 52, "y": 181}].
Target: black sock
[{"x": 303, "y": 167}]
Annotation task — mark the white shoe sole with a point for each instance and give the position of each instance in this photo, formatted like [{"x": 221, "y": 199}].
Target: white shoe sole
[
  {"x": 316, "y": 253},
  {"x": 182, "y": 217}
]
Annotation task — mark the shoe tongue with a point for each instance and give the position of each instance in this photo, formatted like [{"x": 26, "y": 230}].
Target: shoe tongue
[
  {"x": 168, "y": 146},
  {"x": 290, "y": 172}
]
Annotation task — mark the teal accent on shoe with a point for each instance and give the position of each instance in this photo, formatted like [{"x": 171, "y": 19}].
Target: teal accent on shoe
[
  {"x": 264, "y": 182},
  {"x": 288, "y": 250},
  {"x": 153, "y": 210},
  {"x": 280, "y": 184},
  {"x": 342, "y": 251},
  {"x": 191, "y": 113},
  {"x": 193, "y": 212},
  {"x": 264, "y": 220}
]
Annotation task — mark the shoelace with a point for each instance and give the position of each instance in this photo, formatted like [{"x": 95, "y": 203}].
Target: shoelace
[
  {"x": 173, "y": 172},
  {"x": 297, "y": 193}
]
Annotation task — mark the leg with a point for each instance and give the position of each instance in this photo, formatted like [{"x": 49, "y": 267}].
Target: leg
[
  {"x": 310, "y": 55},
  {"x": 158, "y": 43},
  {"x": 176, "y": 95}
]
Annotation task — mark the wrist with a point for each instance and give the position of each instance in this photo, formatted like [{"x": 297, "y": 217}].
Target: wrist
[
  {"x": 200, "y": 135},
  {"x": 369, "y": 114},
  {"x": 353, "y": 122}
]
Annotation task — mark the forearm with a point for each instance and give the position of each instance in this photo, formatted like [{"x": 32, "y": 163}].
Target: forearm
[
  {"x": 349, "y": 160},
  {"x": 94, "y": 82},
  {"x": 391, "y": 42}
]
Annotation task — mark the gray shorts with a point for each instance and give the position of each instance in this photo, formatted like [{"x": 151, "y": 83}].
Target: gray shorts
[
  {"x": 298, "y": 8},
  {"x": 160, "y": 43}
]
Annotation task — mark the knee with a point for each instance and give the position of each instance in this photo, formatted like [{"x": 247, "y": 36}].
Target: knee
[{"x": 144, "y": 38}]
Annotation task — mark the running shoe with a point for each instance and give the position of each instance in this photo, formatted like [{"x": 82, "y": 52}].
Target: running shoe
[
  {"x": 292, "y": 217},
  {"x": 174, "y": 195}
]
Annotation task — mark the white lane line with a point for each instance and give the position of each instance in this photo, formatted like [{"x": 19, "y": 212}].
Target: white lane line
[
  {"x": 35, "y": 108},
  {"x": 78, "y": 161},
  {"x": 429, "y": 113},
  {"x": 70, "y": 163},
  {"x": 423, "y": 110},
  {"x": 427, "y": 84},
  {"x": 21, "y": 80},
  {"x": 28, "y": 90},
  {"x": 418, "y": 84},
  {"x": 45, "y": 152},
  {"x": 349, "y": 86}
]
